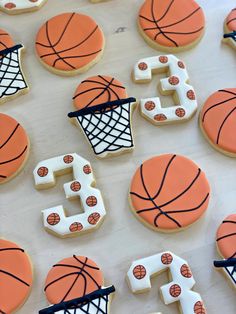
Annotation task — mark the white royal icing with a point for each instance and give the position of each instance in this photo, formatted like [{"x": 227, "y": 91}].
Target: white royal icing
[
  {"x": 187, "y": 105},
  {"x": 17, "y": 5},
  {"x": 81, "y": 186},
  {"x": 181, "y": 276}
]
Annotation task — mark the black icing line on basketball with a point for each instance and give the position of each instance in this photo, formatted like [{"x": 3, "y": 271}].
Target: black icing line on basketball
[
  {"x": 9, "y": 50},
  {"x": 225, "y": 263},
  {"x": 76, "y": 302},
  {"x": 13, "y": 159},
  {"x": 101, "y": 107},
  {"x": 10, "y": 136}
]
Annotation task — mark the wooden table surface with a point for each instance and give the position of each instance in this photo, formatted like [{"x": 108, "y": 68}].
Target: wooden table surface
[{"x": 121, "y": 238}]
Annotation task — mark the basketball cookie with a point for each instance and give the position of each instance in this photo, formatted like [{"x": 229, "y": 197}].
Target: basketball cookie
[
  {"x": 20, "y": 6},
  {"x": 69, "y": 43},
  {"x": 16, "y": 277},
  {"x": 169, "y": 193},
  {"x": 176, "y": 84},
  {"x": 178, "y": 290},
  {"x": 171, "y": 25},
  {"x": 12, "y": 81},
  {"x": 218, "y": 121},
  {"x": 14, "y": 148},
  {"x": 76, "y": 285},
  {"x": 83, "y": 187},
  {"x": 103, "y": 112},
  {"x": 230, "y": 29},
  {"x": 226, "y": 245}
]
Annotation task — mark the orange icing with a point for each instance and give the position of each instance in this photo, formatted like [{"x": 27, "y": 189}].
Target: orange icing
[
  {"x": 14, "y": 146},
  {"x": 226, "y": 237},
  {"x": 172, "y": 23},
  {"x": 6, "y": 40},
  {"x": 72, "y": 278},
  {"x": 170, "y": 191},
  {"x": 97, "y": 90},
  {"x": 231, "y": 20},
  {"x": 218, "y": 118},
  {"x": 69, "y": 41},
  {"x": 13, "y": 290}
]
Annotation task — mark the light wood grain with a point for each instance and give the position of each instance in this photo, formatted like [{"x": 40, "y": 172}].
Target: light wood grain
[{"x": 122, "y": 238}]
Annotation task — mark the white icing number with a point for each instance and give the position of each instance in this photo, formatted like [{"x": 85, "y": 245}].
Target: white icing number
[
  {"x": 177, "y": 81},
  {"x": 141, "y": 271},
  {"x": 14, "y": 5},
  {"x": 54, "y": 218}
]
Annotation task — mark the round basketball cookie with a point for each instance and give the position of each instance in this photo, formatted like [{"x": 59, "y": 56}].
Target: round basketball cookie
[
  {"x": 169, "y": 193},
  {"x": 230, "y": 29},
  {"x": 218, "y": 121},
  {"x": 14, "y": 148},
  {"x": 6, "y": 41},
  {"x": 20, "y": 6},
  {"x": 16, "y": 276},
  {"x": 171, "y": 25},
  {"x": 70, "y": 43}
]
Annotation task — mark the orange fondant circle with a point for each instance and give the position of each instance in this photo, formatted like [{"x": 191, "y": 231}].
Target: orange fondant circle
[
  {"x": 231, "y": 20},
  {"x": 14, "y": 147},
  {"x": 226, "y": 237},
  {"x": 97, "y": 90},
  {"x": 15, "y": 276},
  {"x": 218, "y": 118},
  {"x": 172, "y": 23},
  {"x": 6, "y": 40},
  {"x": 169, "y": 192},
  {"x": 69, "y": 42},
  {"x": 72, "y": 278}
]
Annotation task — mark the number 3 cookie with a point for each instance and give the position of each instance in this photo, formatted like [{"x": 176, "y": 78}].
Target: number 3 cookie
[
  {"x": 20, "y": 6},
  {"x": 178, "y": 290},
  {"x": 55, "y": 219},
  {"x": 177, "y": 84}
]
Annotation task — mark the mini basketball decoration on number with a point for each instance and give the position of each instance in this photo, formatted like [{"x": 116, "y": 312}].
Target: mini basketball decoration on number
[
  {"x": 230, "y": 29},
  {"x": 218, "y": 121},
  {"x": 76, "y": 285},
  {"x": 169, "y": 193},
  {"x": 179, "y": 290},
  {"x": 171, "y": 25},
  {"x": 14, "y": 148},
  {"x": 20, "y": 6},
  {"x": 103, "y": 111},
  {"x": 70, "y": 43},
  {"x": 55, "y": 219},
  {"x": 226, "y": 245},
  {"x": 12, "y": 82},
  {"x": 177, "y": 84},
  {"x": 16, "y": 276}
]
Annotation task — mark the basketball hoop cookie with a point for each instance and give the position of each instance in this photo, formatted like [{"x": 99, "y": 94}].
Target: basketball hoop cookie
[
  {"x": 176, "y": 84},
  {"x": 69, "y": 44},
  {"x": 14, "y": 148},
  {"x": 230, "y": 29},
  {"x": 16, "y": 277},
  {"x": 226, "y": 245},
  {"x": 76, "y": 285},
  {"x": 178, "y": 290},
  {"x": 103, "y": 111},
  {"x": 171, "y": 25},
  {"x": 168, "y": 193},
  {"x": 218, "y": 121},
  {"x": 82, "y": 187},
  {"x": 12, "y": 82},
  {"x": 20, "y": 6}
]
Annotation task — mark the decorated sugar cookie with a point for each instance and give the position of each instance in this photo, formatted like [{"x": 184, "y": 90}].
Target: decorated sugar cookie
[
  {"x": 178, "y": 290},
  {"x": 20, "y": 6},
  {"x": 169, "y": 193},
  {"x": 226, "y": 244},
  {"x": 218, "y": 121},
  {"x": 103, "y": 111},
  {"x": 75, "y": 285},
  {"x": 14, "y": 148},
  {"x": 171, "y": 25},
  {"x": 12, "y": 80},
  {"x": 83, "y": 187},
  {"x": 16, "y": 277},
  {"x": 177, "y": 83},
  {"x": 70, "y": 43},
  {"x": 230, "y": 29}
]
